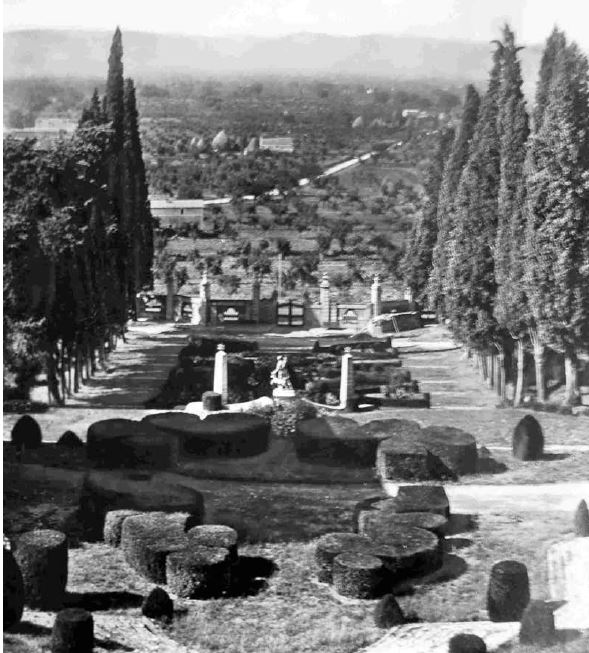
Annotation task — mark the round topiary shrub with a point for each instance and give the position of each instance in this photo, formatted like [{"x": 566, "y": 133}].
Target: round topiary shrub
[
  {"x": 73, "y": 632},
  {"x": 158, "y": 605},
  {"x": 358, "y": 575},
  {"x": 331, "y": 545},
  {"x": 509, "y": 591},
  {"x": 26, "y": 433},
  {"x": 215, "y": 535},
  {"x": 582, "y": 520},
  {"x": 537, "y": 625},
  {"x": 335, "y": 440},
  {"x": 147, "y": 540},
  {"x": 466, "y": 643},
  {"x": 388, "y": 613},
  {"x": 14, "y": 591},
  {"x": 42, "y": 558},
  {"x": 408, "y": 552},
  {"x": 224, "y": 435},
  {"x": 528, "y": 440},
  {"x": 455, "y": 448},
  {"x": 421, "y": 498},
  {"x": 212, "y": 401},
  {"x": 200, "y": 572},
  {"x": 103, "y": 492},
  {"x": 379, "y": 525},
  {"x": 70, "y": 440},
  {"x": 113, "y": 525},
  {"x": 406, "y": 460}
]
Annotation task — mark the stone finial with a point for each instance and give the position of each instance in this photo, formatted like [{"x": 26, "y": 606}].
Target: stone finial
[
  {"x": 205, "y": 278},
  {"x": 347, "y": 350},
  {"x": 324, "y": 281},
  {"x": 220, "y": 347}
]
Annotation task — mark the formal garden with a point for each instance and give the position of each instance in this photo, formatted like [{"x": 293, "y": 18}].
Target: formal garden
[{"x": 234, "y": 521}]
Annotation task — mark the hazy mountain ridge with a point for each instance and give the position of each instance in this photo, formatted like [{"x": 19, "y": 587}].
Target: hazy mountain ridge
[{"x": 31, "y": 53}]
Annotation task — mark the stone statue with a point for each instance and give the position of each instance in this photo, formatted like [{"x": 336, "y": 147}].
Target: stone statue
[{"x": 280, "y": 379}]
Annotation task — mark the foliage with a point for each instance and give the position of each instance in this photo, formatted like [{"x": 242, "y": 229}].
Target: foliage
[
  {"x": 77, "y": 238},
  {"x": 418, "y": 256},
  {"x": 471, "y": 285},
  {"x": 557, "y": 209},
  {"x": 452, "y": 171}
]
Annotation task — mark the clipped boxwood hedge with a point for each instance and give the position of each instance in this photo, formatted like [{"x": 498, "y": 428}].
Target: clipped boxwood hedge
[
  {"x": 225, "y": 435},
  {"x": 335, "y": 440},
  {"x": 215, "y": 535},
  {"x": 331, "y": 545},
  {"x": 454, "y": 447},
  {"x": 381, "y": 526},
  {"x": 422, "y": 498},
  {"x": 113, "y": 525},
  {"x": 147, "y": 540},
  {"x": 42, "y": 556},
  {"x": 409, "y": 551},
  {"x": 358, "y": 575},
  {"x": 105, "y": 491},
  {"x": 406, "y": 460},
  {"x": 199, "y": 572},
  {"x": 14, "y": 591},
  {"x": 125, "y": 443}
]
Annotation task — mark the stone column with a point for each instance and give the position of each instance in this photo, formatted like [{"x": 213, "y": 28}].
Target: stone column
[
  {"x": 347, "y": 396},
  {"x": 170, "y": 299},
  {"x": 324, "y": 300},
  {"x": 195, "y": 305},
  {"x": 220, "y": 375},
  {"x": 204, "y": 295},
  {"x": 376, "y": 296},
  {"x": 256, "y": 300}
]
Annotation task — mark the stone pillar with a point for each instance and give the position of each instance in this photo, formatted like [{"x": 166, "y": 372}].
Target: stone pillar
[
  {"x": 256, "y": 300},
  {"x": 204, "y": 296},
  {"x": 170, "y": 299},
  {"x": 195, "y": 305},
  {"x": 376, "y": 296},
  {"x": 220, "y": 375},
  {"x": 347, "y": 396},
  {"x": 324, "y": 300}
]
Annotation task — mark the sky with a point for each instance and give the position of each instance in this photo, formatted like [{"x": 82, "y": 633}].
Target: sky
[{"x": 475, "y": 20}]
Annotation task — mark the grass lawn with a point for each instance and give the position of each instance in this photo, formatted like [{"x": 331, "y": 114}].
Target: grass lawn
[{"x": 292, "y": 613}]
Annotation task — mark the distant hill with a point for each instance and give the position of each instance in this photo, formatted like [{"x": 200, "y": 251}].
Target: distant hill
[{"x": 81, "y": 53}]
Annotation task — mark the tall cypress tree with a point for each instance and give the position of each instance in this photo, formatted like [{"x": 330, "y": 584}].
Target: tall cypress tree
[
  {"x": 121, "y": 234},
  {"x": 557, "y": 247},
  {"x": 114, "y": 99},
  {"x": 452, "y": 170},
  {"x": 554, "y": 44},
  {"x": 471, "y": 284},
  {"x": 137, "y": 204},
  {"x": 417, "y": 262},
  {"x": 511, "y": 301}
]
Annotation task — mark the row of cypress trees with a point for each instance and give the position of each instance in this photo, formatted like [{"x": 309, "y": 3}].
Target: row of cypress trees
[
  {"x": 78, "y": 241},
  {"x": 502, "y": 246}
]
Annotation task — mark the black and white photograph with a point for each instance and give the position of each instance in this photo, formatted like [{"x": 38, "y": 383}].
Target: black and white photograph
[{"x": 296, "y": 326}]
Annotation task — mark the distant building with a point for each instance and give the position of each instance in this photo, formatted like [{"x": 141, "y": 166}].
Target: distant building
[
  {"x": 46, "y": 131},
  {"x": 57, "y": 124},
  {"x": 277, "y": 144},
  {"x": 175, "y": 213}
]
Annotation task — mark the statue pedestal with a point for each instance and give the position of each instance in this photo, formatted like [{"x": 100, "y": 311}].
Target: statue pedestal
[{"x": 283, "y": 393}]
